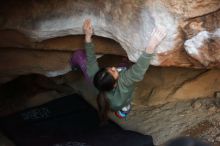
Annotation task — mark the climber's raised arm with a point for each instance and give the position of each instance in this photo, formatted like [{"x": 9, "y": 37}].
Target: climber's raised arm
[
  {"x": 137, "y": 71},
  {"x": 92, "y": 66}
]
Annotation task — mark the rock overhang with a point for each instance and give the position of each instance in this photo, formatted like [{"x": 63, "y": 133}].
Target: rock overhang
[{"x": 128, "y": 22}]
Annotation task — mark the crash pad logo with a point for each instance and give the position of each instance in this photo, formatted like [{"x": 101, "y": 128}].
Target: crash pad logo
[
  {"x": 72, "y": 143},
  {"x": 36, "y": 114}
]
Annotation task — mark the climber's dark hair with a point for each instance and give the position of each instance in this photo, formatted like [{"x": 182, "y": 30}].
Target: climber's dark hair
[
  {"x": 104, "y": 82},
  {"x": 103, "y": 107}
]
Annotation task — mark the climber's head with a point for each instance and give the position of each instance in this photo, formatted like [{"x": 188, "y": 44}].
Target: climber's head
[{"x": 105, "y": 79}]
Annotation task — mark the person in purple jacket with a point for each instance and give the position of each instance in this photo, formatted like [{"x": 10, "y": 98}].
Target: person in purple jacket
[{"x": 115, "y": 88}]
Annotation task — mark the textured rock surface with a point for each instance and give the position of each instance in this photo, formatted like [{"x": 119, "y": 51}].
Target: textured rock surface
[
  {"x": 19, "y": 61},
  {"x": 203, "y": 39},
  {"x": 176, "y": 84},
  {"x": 192, "y": 26}
]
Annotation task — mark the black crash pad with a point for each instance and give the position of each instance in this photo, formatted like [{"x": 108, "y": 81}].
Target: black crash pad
[{"x": 67, "y": 121}]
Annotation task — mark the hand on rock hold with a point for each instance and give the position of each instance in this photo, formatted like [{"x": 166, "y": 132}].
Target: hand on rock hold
[
  {"x": 157, "y": 36},
  {"x": 88, "y": 30}
]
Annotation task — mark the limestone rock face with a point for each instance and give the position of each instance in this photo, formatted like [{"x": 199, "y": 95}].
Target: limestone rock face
[{"x": 193, "y": 26}]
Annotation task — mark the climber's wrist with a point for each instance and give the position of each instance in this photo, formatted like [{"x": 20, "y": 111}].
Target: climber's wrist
[{"x": 88, "y": 38}]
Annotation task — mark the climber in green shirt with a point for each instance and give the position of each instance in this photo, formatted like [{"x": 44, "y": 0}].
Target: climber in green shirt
[{"x": 116, "y": 88}]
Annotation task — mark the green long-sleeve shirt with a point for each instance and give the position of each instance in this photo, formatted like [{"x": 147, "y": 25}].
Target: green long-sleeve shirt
[{"x": 121, "y": 95}]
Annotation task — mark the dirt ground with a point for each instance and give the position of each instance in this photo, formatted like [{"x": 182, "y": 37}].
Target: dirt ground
[{"x": 199, "y": 119}]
